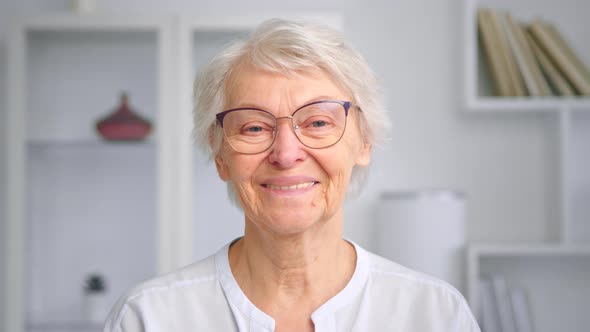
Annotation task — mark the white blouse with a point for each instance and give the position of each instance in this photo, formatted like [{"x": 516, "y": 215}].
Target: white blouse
[{"x": 380, "y": 296}]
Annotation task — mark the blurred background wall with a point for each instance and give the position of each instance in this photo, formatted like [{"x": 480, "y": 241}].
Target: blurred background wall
[
  {"x": 3, "y": 33},
  {"x": 505, "y": 164}
]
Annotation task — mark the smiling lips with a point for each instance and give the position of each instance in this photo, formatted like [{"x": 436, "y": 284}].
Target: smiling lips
[{"x": 297, "y": 186}]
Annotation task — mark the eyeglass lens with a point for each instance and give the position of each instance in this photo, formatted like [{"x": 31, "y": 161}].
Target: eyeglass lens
[{"x": 318, "y": 125}]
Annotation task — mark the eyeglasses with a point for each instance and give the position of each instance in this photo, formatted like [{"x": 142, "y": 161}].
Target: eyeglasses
[{"x": 317, "y": 125}]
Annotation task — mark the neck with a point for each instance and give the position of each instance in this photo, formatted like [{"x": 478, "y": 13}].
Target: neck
[{"x": 296, "y": 272}]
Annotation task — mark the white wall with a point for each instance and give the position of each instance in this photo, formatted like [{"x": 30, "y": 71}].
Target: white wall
[
  {"x": 504, "y": 163},
  {"x": 2, "y": 149},
  {"x": 2, "y": 171},
  {"x": 500, "y": 161}
]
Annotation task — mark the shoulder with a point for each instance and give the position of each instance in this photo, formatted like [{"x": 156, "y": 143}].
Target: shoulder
[
  {"x": 393, "y": 275},
  {"x": 424, "y": 297},
  {"x": 191, "y": 286},
  {"x": 196, "y": 274}
]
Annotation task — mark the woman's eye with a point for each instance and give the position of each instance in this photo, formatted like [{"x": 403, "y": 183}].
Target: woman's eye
[
  {"x": 318, "y": 123},
  {"x": 254, "y": 129}
]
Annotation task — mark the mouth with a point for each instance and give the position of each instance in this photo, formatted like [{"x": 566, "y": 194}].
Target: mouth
[{"x": 298, "y": 186}]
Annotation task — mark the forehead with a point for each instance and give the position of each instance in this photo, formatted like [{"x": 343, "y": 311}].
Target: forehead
[{"x": 252, "y": 87}]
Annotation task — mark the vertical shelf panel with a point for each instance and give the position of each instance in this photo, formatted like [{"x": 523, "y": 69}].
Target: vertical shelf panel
[
  {"x": 3, "y": 180},
  {"x": 15, "y": 185},
  {"x": 216, "y": 220},
  {"x": 579, "y": 177}
]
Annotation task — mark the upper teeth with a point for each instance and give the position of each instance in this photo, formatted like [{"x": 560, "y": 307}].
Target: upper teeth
[{"x": 292, "y": 187}]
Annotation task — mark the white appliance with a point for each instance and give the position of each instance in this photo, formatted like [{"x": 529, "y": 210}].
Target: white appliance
[{"x": 425, "y": 231}]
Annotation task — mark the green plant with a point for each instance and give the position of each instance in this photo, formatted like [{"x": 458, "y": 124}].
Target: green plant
[{"x": 94, "y": 284}]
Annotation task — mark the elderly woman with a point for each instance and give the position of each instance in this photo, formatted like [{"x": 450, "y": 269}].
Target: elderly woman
[{"x": 290, "y": 116}]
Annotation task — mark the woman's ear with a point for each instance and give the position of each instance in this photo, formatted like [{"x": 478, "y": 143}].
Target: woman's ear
[
  {"x": 364, "y": 157},
  {"x": 221, "y": 166}
]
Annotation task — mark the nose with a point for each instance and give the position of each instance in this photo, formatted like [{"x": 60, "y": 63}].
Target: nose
[{"x": 286, "y": 150}]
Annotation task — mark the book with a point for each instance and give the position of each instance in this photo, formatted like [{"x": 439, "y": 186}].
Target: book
[
  {"x": 490, "y": 44},
  {"x": 567, "y": 49},
  {"x": 556, "y": 80},
  {"x": 515, "y": 57},
  {"x": 500, "y": 25},
  {"x": 559, "y": 57},
  {"x": 489, "y": 318},
  {"x": 505, "y": 312},
  {"x": 521, "y": 309},
  {"x": 530, "y": 68}
]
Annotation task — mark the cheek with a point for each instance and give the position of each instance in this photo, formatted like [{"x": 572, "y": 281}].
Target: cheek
[
  {"x": 339, "y": 164},
  {"x": 338, "y": 176},
  {"x": 241, "y": 175},
  {"x": 242, "y": 170}
]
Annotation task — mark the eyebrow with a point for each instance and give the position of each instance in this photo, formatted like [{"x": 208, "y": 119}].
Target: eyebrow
[{"x": 257, "y": 106}]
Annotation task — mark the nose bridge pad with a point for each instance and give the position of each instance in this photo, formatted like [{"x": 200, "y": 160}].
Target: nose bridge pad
[{"x": 294, "y": 126}]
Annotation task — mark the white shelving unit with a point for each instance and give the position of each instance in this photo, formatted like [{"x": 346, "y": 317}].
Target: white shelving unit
[
  {"x": 76, "y": 204},
  {"x": 554, "y": 276},
  {"x": 555, "y": 273}
]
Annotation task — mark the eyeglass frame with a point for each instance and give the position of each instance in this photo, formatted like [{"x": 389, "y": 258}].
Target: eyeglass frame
[{"x": 345, "y": 104}]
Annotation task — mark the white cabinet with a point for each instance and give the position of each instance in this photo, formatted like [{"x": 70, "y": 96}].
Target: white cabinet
[
  {"x": 554, "y": 273},
  {"x": 554, "y": 276},
  {"x": 76, "y": 204}
]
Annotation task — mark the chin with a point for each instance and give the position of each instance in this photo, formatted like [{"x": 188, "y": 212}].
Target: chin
[{"x": 291, "y": 224}]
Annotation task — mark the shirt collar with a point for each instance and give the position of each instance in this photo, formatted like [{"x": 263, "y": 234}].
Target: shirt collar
[{"x": 324, "y": 315}]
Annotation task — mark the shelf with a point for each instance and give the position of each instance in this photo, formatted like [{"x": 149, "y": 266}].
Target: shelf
[
  {"x": 76, "y": 78},
  {"x": 94, "y": 22},
  {"x": 64, "y": 326},
  {"x": 507, "y": 250},
  {"x": 555, "y": 278},
  {"x": 478, "y": 82},
  {"x": 528, "y": 104},
  {"x": 568, "y": 152},
  {"x": 92, "y": 144},
  {"x": 84, "y": 198},
  {"x": 554, "y": 275},
  {"x": 77, "y": 204}
]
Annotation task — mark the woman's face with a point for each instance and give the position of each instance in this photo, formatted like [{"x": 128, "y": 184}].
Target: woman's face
[{"x": 290, "y": 188}]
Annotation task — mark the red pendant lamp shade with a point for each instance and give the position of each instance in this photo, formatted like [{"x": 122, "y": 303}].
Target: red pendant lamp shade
[{"x": 123, "y": 124}]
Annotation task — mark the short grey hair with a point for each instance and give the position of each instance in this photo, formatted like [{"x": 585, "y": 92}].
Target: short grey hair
[{"x": 288, "y": 47}]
